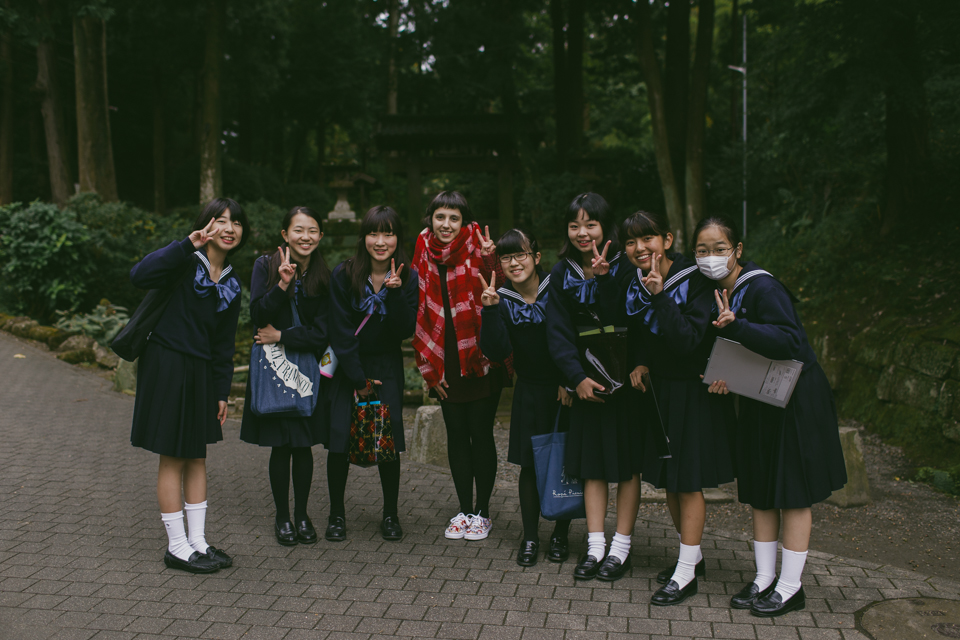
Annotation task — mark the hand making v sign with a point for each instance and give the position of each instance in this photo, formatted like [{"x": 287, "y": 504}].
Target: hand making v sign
[
  {"x": 726, "y": 315},
  {"x": 287, "y": 269},
  {"x": 487, "y": 246},
  {"x": 201, "y": 237},
  {"x": 489, "y": 297},
  {"x": 394, "y": 281},
  {"x": 599, "y": 263},
  {"x": 653, "y": 281}
]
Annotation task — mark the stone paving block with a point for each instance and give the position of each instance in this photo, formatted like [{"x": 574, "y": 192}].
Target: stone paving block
[
  {"x": 225, "y": 631},
  {"x": 807, "y": 633},
  {"x": 491, "y": 632},
  {"x": 765, "y": 632}
]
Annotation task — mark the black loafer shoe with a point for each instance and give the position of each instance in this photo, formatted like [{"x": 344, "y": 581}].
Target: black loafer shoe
[
  {"x": 198, "y": 563},
  {"x": 527, "y": 555},
  {"x": 612, "y": 569},
  {"x": 700, "y": 571},
  {"x": 336, "y": 529},
  {"x": 220, "y": 557},
  {"x": 306, "y": 534},
  {"x": 772, "y": 605},
  {"x": 285, "y": 533},
  {"x": 587, "y": 568},
  {"x": 559, "y": 549},
  {"x": 390, "y": 528},
  {"x": 671, "y": 593},
  {"x": 750, "y": 594}
]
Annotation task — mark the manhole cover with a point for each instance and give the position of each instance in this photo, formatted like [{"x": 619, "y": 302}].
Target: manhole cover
[
  {"x": 910, "y": 619},
  {"x": 947, "y": 629}
]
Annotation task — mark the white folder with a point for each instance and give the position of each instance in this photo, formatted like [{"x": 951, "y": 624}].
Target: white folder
[{"x": 750, "y": 374}]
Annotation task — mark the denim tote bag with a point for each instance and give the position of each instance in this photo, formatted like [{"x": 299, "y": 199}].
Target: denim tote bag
[
  {"x": 561, "y": 497},
  {"x": 283, "y": 383}
]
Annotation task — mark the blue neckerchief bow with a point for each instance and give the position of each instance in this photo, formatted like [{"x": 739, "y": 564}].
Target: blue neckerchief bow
[
  {"x": 203, "y": 286},
  {"x": 639, "y": 300},
  {"x": 373, "y": 302},
  {"x": 523, "y": 313},
  {"x": 585, "y": 291}
]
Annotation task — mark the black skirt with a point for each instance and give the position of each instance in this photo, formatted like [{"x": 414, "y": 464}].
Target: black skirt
[
  {"x": 388, "y": 369},
  {"x": 700, "y": 426},
  {"x": 534, "y": 413},
  {"x": 790, "y": 458},
  {"x": 269, "y": 431},
  {"x": 605, "y": 441},
  {"x": 176, "y": 408}
]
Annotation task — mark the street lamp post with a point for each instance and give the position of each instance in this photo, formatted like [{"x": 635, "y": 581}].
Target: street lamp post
[{"x": 743, "y": 71}]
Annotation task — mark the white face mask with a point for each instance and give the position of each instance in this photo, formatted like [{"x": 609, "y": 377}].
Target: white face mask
[{"x": 714, "y": 267}]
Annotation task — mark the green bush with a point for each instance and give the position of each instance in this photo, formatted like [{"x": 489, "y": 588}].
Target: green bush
[
  {"x": 946, "y": 481},
  {"x": 44, "y": 259},
  {"x": 102, "y": 324}
]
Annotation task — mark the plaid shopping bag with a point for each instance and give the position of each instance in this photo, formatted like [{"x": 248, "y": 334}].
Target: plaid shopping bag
[{"x": 371, "y": 434}]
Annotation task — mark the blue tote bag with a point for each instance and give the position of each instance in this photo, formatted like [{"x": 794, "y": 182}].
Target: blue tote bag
[
  {"x": 561, "y": 497},
  {"x": 283, "y": 383}
]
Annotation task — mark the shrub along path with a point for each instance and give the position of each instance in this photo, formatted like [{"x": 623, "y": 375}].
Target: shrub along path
[{"x": 81, "y": 546}]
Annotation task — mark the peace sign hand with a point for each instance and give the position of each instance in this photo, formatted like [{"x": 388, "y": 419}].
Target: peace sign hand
[
  {"x": 487, "y": 246},
  {"x": 201, "y": 237},
  {"x": 287, "y": 269},
  {"x": 394, "y": 281},
  {"x": 600, "y": 265},
  {"x": 653, "y": 281},
  {"x": 489, "y": 297},
  {"x": 723, "y": 305}
]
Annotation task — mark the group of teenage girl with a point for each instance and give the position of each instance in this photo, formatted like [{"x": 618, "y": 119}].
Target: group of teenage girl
[{"x": 480, "y": 311}]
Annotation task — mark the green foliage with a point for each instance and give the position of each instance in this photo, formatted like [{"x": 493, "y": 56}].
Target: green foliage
[
  {"x": 102, "y": 324},
  {"x": 946, "y": 481},
  {"x": 43, "y": 259},
  {"x": 412, "y": 380}
]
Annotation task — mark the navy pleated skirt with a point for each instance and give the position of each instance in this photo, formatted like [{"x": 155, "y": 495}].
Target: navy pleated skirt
[
  {"x": 605, "y": 441},
  {"x": 269, "y": 431},
  {"x": 790, "y": 458},
  {"x": 534, "y": 413},
  {"x": 176, "y": 408},
  {"x": 700, "y": 426},
  {"x": 388, "y": 369}
]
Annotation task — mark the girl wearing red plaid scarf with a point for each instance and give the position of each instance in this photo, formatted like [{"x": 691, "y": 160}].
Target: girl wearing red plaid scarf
[{"x": 450, "y": 254}]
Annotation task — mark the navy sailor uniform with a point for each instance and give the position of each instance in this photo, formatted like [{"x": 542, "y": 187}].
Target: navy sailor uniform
[
  {"x": 187, "y": 365},
  {"x": 374, "y": 353},
  {"x": 271, "y": 305},
  {"x": 605, "y": 441},
  {"x": 787, "y": 458},
  {"x": 518, "y": 327},
  {"x": 670, "y": 333}
]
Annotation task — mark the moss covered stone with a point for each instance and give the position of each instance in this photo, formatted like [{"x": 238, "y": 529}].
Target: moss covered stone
[
  {"x": 41, "y": 333},
  {"x": 76, "y": 356},
  {"x": 948, "y": 405},
  {"x": 872, "y": 348},
  {"x": 933, "y": 359},
  {"x": 21, "y": 327}
]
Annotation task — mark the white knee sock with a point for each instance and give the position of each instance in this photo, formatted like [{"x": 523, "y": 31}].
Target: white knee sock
[
  {"x": 620, "y": 547},
  {"x": 765, "y": 553},
  {"x": 791, "y": 567},
  {"x": 196, "y": 520},
  {"x": 699, "y": 554},
  {"x": 686, "y": 564},
  {"x": 596, "y": 544},
  {"x": 176, "y": 536}
]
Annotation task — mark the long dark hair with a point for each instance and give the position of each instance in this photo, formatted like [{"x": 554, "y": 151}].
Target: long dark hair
[
  {"x": 379, "y": 218},
  {"x": 215, "y": 209},
  {"x": 316, "y": 280},
  {"x": 597, "y": 209}
]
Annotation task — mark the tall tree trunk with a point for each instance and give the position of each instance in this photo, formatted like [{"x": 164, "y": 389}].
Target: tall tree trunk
[
  {"x": 211, "y": 161},
  {"x": 507, "y": 17},
  {"x": 6, "y": 118},
  {"x": 575, "y": 74},
  {"x": 733, "y": 58},
  {"x": 661, "y": 140},
  {"x": 696, "y": 117},
  {"x": 907, "y": 137},
  {"x": 159, "y": 157},
  {"x": 94, "y": 148},
  {"x": 48, "y": 89},
  {"x": 561, "y": 92},
  {"x": 393, "y": 8},
  {"x": 321, "y": 151},
  {"x": 677, "y": 84},
  {"x": 41, "y": 178}
]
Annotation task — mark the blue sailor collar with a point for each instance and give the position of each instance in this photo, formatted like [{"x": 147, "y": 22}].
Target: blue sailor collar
[
  {"x": 373, "y": 302},
  {"x": 519, "y": 311},
  {"x": 750, "y": 271},
  {"x": 585, "y": 291},
  {"x": 203, "y": 285},
  {"x": 640, "y": 300}
]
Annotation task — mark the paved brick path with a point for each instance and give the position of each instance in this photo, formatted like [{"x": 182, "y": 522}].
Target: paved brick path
[{"x": 81, "y": 545}]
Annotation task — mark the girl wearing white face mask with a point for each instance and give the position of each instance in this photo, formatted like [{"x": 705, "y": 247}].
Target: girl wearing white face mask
[{"x": 787, "y": 459}]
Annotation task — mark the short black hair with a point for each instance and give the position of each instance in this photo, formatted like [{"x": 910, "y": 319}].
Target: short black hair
[
  {"x": 725, "y": 224},
  {"x": 642, "y": 224},
  {"x": 448, "y": 200},
  {"x": 596, "y": 208},
  {"x": 215, "y": 209},
  {"x": 517, "y": 241}
]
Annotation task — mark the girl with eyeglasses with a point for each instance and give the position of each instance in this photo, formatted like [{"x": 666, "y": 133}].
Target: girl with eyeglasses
[
  {"x": 374, "y": 310},
  {"x": 514, "y": 322},
  {"x": 787, "y": 458},
  {"x": 668, "y": 306},
  {"x": 450, "y": 255},
  {"x": 605, "y": 439}
]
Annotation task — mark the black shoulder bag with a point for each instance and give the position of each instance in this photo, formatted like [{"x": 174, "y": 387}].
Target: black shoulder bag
[{"x": 132, "y": 339}]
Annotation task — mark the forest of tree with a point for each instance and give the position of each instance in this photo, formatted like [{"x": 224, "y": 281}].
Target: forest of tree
[{"x": 852, "y": 103}]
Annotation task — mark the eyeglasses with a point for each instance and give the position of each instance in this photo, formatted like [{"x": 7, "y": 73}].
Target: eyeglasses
[
  {"x": 703, "y": 253},
  {"x": 519, "y": 257}
]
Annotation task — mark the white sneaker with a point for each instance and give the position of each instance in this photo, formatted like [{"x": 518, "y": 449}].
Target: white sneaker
[
  {"x": 478, "y": 528},
  {"x": 458, "y": 525}
]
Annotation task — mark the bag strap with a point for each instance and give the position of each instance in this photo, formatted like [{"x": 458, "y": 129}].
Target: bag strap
[
  {"x": 293, "y": 308},
  {"x": 556, "y": 423},
  {"x": 363, "y": 322}
]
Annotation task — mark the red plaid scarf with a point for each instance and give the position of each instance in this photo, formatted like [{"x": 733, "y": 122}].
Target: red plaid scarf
[{"x": 463, "y": 262}]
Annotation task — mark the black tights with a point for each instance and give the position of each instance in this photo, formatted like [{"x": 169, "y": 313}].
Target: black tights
[
  {"x": 530, "y": 508},
  {"x": 472, "y": 451},
  {"x": 280, "y": 480},
  {"x": 338, "y": 467}
]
